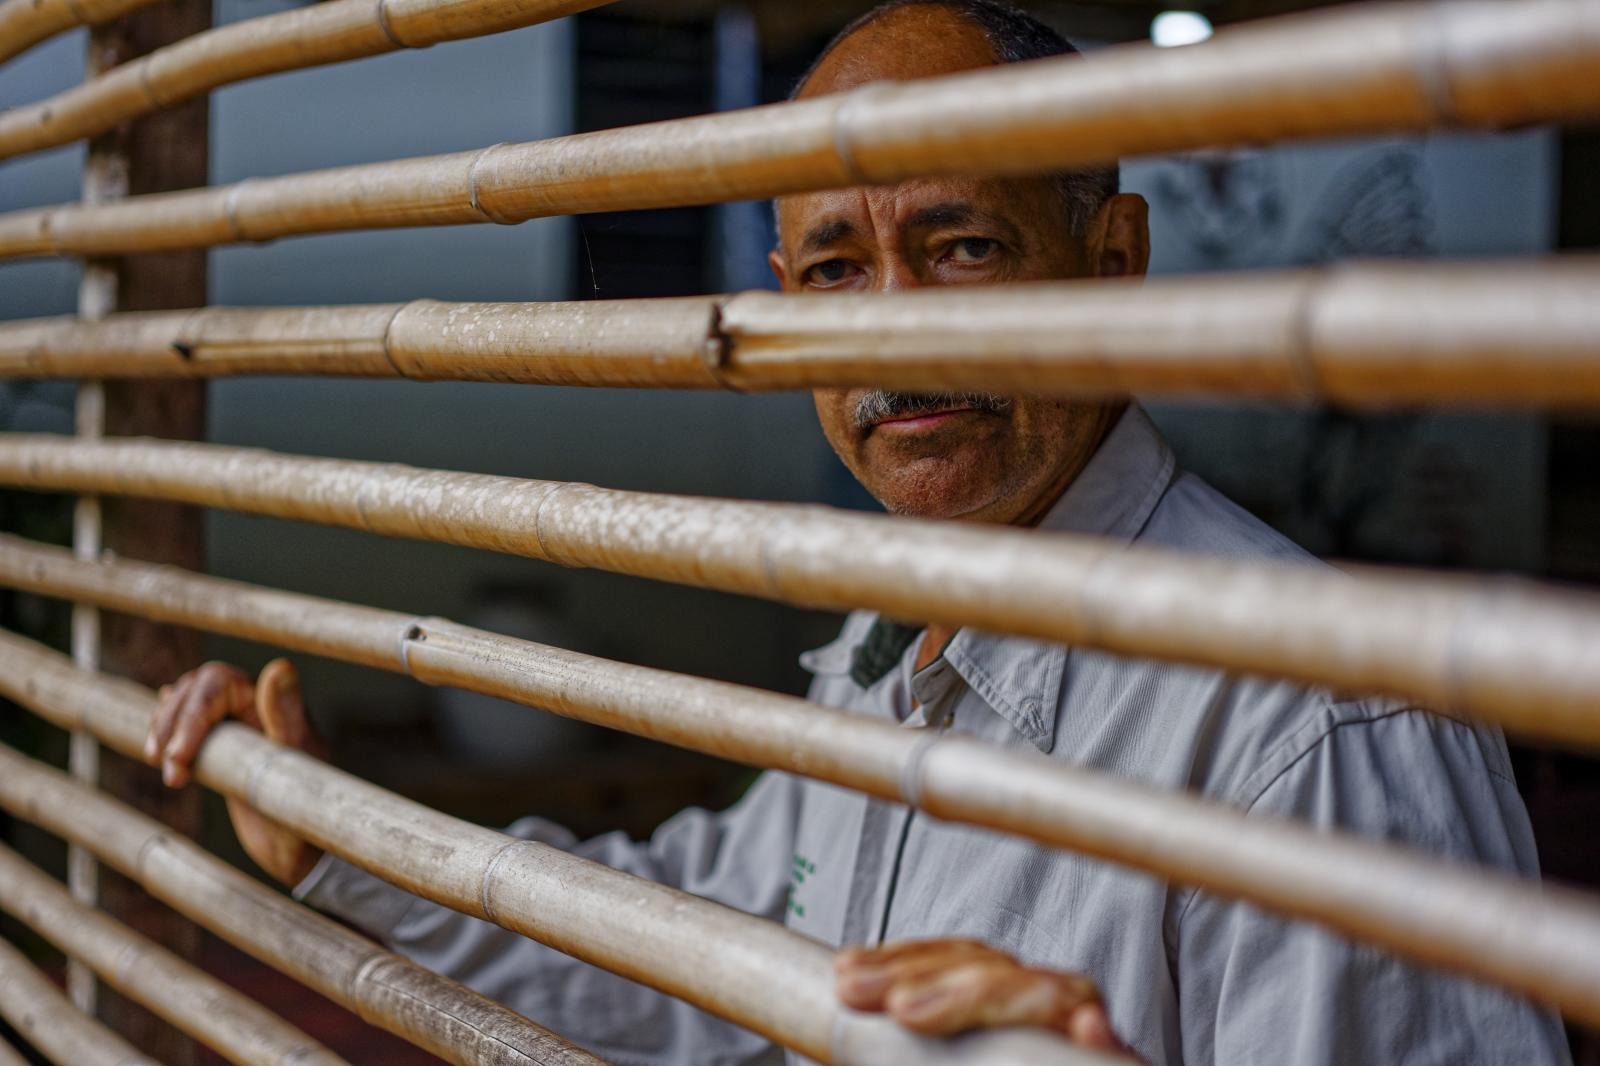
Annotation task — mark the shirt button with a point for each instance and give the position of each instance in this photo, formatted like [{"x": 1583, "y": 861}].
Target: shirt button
[{"x": 1032, "y": 707}]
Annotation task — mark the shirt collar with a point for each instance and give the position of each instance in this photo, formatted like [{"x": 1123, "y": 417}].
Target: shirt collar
[{"x": 1113, "y": 497}]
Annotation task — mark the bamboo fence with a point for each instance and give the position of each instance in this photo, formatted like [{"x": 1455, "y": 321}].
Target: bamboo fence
[
  {"x": 24, "y": 23},
  {"x": 240, "y": 1029},
  {"x": 1472, "y": 63},
  {"x": 45, "y": 1018},
  {"x": 383, "y": 989},
  {"x": 1370, "y": 335},
  {"x": 1516, "y": 654},
  {"x": 746, "y": 969},
  {"x": 1437, "y": 912},
  {"x": 289, "y": 40}
]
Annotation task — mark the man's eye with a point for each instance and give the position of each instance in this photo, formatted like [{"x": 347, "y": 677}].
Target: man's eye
[
  {"x": 973, "y": 249},
  {"x": 830, "y": 272}
]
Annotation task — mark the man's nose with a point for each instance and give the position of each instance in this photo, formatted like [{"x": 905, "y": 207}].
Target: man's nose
[{"x": 895, "y": 273}]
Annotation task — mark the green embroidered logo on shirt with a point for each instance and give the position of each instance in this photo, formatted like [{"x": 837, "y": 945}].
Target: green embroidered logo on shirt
[{"x": 799, "y": 869}]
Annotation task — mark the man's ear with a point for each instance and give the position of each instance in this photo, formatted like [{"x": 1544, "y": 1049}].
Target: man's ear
[
  {"x": 780, "y": 269},
  {"x": 1118, "y": 242}
]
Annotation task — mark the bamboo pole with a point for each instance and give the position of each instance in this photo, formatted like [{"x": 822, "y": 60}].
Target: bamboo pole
[
  {"x": 24, "y": 23},
  {"x": 746, "y": 969},
  {"x": 325, "y": 33},
  {"x": 1515, "y": 654},
  {"x": 1473, "y": 63},
  {"x": 1540, "y": 941},
  {"x": 1496, "y": 333},
  {"x": 240, "y": 1029},
  {"x": 383, "y": 989},
  {"x": 46, "y": 1019}
]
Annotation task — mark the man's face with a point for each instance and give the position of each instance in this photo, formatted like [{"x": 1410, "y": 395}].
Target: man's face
[{"x": 981, "y": 457}]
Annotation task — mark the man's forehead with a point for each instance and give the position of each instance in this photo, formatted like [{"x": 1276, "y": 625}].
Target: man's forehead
[
  {"x": 917, "y": 41},
  {"x": 825, "y": 227},
  {"x": 811, "y": 218}
]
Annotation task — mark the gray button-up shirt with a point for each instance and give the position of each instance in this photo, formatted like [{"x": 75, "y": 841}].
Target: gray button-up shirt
[{"x": 1187, "y": 977}]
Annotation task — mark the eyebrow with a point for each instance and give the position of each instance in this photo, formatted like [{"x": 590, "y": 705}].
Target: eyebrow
[
  {"x": 949, "y": 214},
  {"x": 957, "y": 213},
  {"x": 825, "y": 234}
]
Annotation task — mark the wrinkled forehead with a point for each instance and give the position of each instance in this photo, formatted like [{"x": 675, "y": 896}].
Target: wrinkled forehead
[{"x": 806, "y": 220}]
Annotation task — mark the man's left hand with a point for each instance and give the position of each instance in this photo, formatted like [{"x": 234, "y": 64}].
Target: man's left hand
[{"x": 943, "y": 987}]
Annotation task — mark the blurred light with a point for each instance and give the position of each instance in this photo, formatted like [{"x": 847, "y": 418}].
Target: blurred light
[{"x": 1173, "y": 28}]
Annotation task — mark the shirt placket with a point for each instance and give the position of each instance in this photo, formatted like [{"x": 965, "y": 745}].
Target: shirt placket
[{"x": 885, "y": 826}]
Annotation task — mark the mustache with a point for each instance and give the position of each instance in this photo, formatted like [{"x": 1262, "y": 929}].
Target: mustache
[{"x": 881, "y": 404}]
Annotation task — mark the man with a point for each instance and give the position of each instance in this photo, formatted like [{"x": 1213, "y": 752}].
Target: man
[{"x": 969, "y": 928}]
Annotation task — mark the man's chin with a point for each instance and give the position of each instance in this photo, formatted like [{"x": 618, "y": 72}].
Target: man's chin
[{"x": 946, "y": 497}]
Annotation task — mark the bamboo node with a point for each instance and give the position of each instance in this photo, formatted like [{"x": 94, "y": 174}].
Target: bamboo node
[
  {"x": 485, "y": 894},
  {"x": 359, "y": 979},
  {"x": 381, "y": 14},
  {"x": 388, "y": 337},
  {"x": 154, "y": 840},
  {"x": 538, "y": 522},
  {"x": 844, "y": 116},
  {"x": 472, "y": 188}
]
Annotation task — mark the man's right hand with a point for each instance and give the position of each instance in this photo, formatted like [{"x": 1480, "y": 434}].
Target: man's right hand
[{"x": 185, "y": 714}]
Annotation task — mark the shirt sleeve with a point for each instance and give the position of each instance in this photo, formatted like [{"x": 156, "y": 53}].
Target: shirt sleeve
[
  {"x": 739, "y": 857},
  {"x": 1255, "y": 988}
]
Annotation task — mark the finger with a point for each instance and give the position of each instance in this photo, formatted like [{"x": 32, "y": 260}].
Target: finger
[
  {"x": 893, "y": 951},
  {"x": 914, "y": 968},
  {"x": 863, "y": 979},
  {"x": 1090, "y": 1026},
  {"x": 988, "y": 995},
  {"x": 216, "y": 694},
  {"x": 279, "y": 704},
  {"x": 167, "y": 707}
]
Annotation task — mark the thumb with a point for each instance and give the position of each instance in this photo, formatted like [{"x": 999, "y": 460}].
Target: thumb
[{"x": 279, "y": 705}]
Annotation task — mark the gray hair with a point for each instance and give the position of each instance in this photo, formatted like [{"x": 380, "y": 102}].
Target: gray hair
[{"x": 1015, "y": 36}]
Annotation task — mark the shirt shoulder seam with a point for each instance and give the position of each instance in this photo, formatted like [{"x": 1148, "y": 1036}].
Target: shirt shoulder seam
[{"x": 1322, "y": 737}]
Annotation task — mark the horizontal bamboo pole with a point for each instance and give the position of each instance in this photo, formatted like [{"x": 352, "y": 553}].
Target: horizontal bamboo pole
[
  {"x": 24, "y": 23},
  {"x": 1496, "y": 333},
  {"x": 324, "y": 33},
  {"x": 746, "y": 969},
  {"x": 382, "y": 988},
  {"x": 242, "y": 1030},
  {"x": 1472, "y": 63},
  {"x": 1542, "y": 942},
  {"x": 1512, "y": 653},
  {"x": 44, "y": 1017}
]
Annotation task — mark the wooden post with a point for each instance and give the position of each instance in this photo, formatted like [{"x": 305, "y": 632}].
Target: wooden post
[
  {"x": 105, "y": 178},
  {"x": 167, "y": 150}
]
